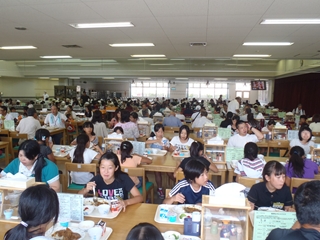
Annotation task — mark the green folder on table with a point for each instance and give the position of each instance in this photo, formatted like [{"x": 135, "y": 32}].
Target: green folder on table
[{"x": 9, "y": 125}]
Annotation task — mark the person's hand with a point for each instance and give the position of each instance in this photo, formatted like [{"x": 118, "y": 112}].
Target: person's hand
[
  {"x": 123, "y": 204},
  {"x": 248, "y": 126},
  {"x": 179, "y": 198},
  {"x": 90, "y": 186},
  {"x": 165, "y": 148}
]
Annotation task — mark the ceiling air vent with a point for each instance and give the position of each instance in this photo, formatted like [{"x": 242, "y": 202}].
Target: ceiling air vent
[
  {"x": 71, "y": 46},
  {"x": 198, "y": 44}
]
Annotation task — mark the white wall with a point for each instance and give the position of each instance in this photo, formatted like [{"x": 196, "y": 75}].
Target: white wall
[{"x": 26, "y": 87}]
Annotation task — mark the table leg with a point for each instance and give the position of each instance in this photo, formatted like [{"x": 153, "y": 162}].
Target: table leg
[
  {"x": 64, "y": 137},
  {"x": 7, "y": 154},
  {"x": 223, "y": 177}
]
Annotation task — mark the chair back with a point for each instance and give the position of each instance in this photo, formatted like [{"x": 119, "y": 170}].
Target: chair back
[
  {"x": 100, "y": 140},
  {"x": 137, "y": 172},
  {"x": 296, "y": 182},
  {"x": 77, "y": 167},
  {"x": 9, "y": 140},
  {"x": 4, "y": 132},
  {"x": 249, "y": 182},
  {"x": 316, "y": 134},
  {"x": 16, "y": 135},
  {"x": 179, "y": 176},
  {"x": 171, "y": 129},
  {"x": 280, "y": 144}
]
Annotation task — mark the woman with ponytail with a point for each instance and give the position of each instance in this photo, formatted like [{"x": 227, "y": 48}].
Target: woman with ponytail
[
  {"x": 299, "y": 167},
  {"x": 38, "y": 210},
  {"x": 32, "y": 163}
]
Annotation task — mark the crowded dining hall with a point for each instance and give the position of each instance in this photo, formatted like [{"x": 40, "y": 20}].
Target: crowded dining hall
[{"x": 181, "y": 120}]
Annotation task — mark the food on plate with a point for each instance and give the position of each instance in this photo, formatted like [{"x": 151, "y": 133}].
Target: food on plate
[
  {"x": 66, "y": 234},
  {"x": 98, "y": 203},
  {"x": 191, "y": 209},
  {"x": 85, "y": 209}
]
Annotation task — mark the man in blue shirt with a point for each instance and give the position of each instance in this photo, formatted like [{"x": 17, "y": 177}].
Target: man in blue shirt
[{"x": 172, "y": 120}]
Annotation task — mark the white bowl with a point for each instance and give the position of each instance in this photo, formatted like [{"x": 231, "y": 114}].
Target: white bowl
[
  {"x": 182, "y": 216},
  {"x": 87, "y": 210},
  {"x": 171, "y": 235},
  {"x": 104, "y": 209},
  {"x": 86, "y": 225}
]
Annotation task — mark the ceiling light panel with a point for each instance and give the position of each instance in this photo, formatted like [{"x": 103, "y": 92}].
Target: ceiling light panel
[
  {"x": 292, "y": 21},
  {"x": 62, "y": 56},
  {"x": 131, "y": 45},
  {"x": 251, "y": 55},
  {"x": 267, "y": 43},
  {"x": 102, "y": 25},
  {"x": 17, "y": 47},
  {"x": 148, "y": 55}
]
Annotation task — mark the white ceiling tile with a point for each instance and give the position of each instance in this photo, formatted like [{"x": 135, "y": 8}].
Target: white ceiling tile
[
  {"x": 169, "y": 8},
  {"x": 234, "y": 21},
  {"x": 183, "y": 22}
]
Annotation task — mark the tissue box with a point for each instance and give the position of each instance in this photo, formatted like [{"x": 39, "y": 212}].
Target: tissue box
[{"x": 16, "y": 182}]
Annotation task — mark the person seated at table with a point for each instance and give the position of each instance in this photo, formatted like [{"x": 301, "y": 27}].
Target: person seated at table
[
  {"x": 181, "y": 142},
  {"x": 56, "y": 120},
  {"x": 228, "y": 121},
  {"x": 306, "y": 203},
  {"x": 31, "y": 163},
  {"x": 116, "y": 119},
  {"x": 130, "y": 129},
  {"x": 144, "y": 231},
  {"x": 235, "y": 119},
  {"x": 272, "y": 192},
  {"x": 304, "y": 141},
  {"x": 112, "y": 183},
  {"x": 299, "y": 167},
  {"x": 195, "y": 184},
  {"x": 88, "y": 129},
  {"x": 134, "y": 117},
  {"x": 157, "y": 140},
  {"x": 83, "y": 154},
  {"x": 240, "y": 139},
  {"x": 38, "y": 210},
  {"x": 69, "y": 110},
  {"x": 303, "y": 121},
  {"x": 252, "y": 122},
  {"x": 43, "y": 138},
  {"x": 250, "y": 166},
  {"x": 172, "y": 120},
  {"x": 88, "y": 112},
  {"x": 269, "y": 127},
  {"x": 315, "y": 125},
  {"x": 30, "y": 124},
  {"x": 196, "y": 152},
  {"x": 127, "y": 159},
  {"x": 99, "y": 125},
  {"x": 201, "y": 121}
]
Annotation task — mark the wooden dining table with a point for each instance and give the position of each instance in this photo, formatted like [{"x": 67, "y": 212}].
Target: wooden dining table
[{"x": 121, "y": 225}]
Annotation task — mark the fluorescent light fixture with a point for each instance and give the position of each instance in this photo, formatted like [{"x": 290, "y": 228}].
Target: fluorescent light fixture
[
  {"x": 102, "y": 25},
  {"x": 267, "y": 43},
  {"x": 62, "y": 56},
  {"x": 26, "y": 66},
  {"x": 291, "y": 21},
  {"x": 74, "y": 77},
  {"x": 44, "y": 78},
  {"x": 251, "y": 55},
  {"x": 144, "y": 78},
  {"x": 134, "y": 59},
  {"x": 108, "y": 78},
  {"x": 161, "y": 64},
  {"x": 239, "y": 65},
  {"x": 177, "y": 59},
  {"x": 131, "y": 45},
  {"x": 54, "y": 79},
  {"x": 153, "y": 58},
  {"x": 17, "y": 47},
  {"x": 220, "y": 79},
  {"x": 182, "y": 78},
  {"x": 148, "y": 55}
]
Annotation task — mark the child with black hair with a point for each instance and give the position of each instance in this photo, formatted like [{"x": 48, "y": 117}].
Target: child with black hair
[
  {"x": 118, "y": 130},
  {"x": 196, "y": 152},
  {"x": 272, "y": 192},
  {"x": 43, "y": 138},
  {"x": 83, "y": 154},
  {"x": 112, "y": 183},
  {"x": 250, "y": 166},
  {"x": 299, "y": 167},
  {"x": 128, "y": 160},
  {"x": 195, "y": 184}
]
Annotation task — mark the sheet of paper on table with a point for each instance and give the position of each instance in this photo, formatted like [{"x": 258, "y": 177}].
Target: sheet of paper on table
[
  {"x": 293, "y": 134},
  {"x": 71, "y": 206},
  {"x": 234, "y": 153},
  {"x": 265, "y": 221}
]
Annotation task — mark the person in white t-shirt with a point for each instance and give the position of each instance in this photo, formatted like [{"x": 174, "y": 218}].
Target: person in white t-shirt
[
  {"x": 82, "y": 154},
  {"x": 199, "y": 122},
  {"x": 304, "y": 141},
  {"x": 240, "y": 140},
  {"x": 234, "y": 105},
  {"x": 315, "y": 125},
  {"x": 45, "y": 96},
  {"x": 181, "y": 142},
  {"x": 58, "y": 120}
]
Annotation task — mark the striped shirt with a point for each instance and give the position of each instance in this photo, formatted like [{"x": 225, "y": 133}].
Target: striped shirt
[
  {"x": 192, "y": 196},
  {"x": 250, "y": 168}
]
